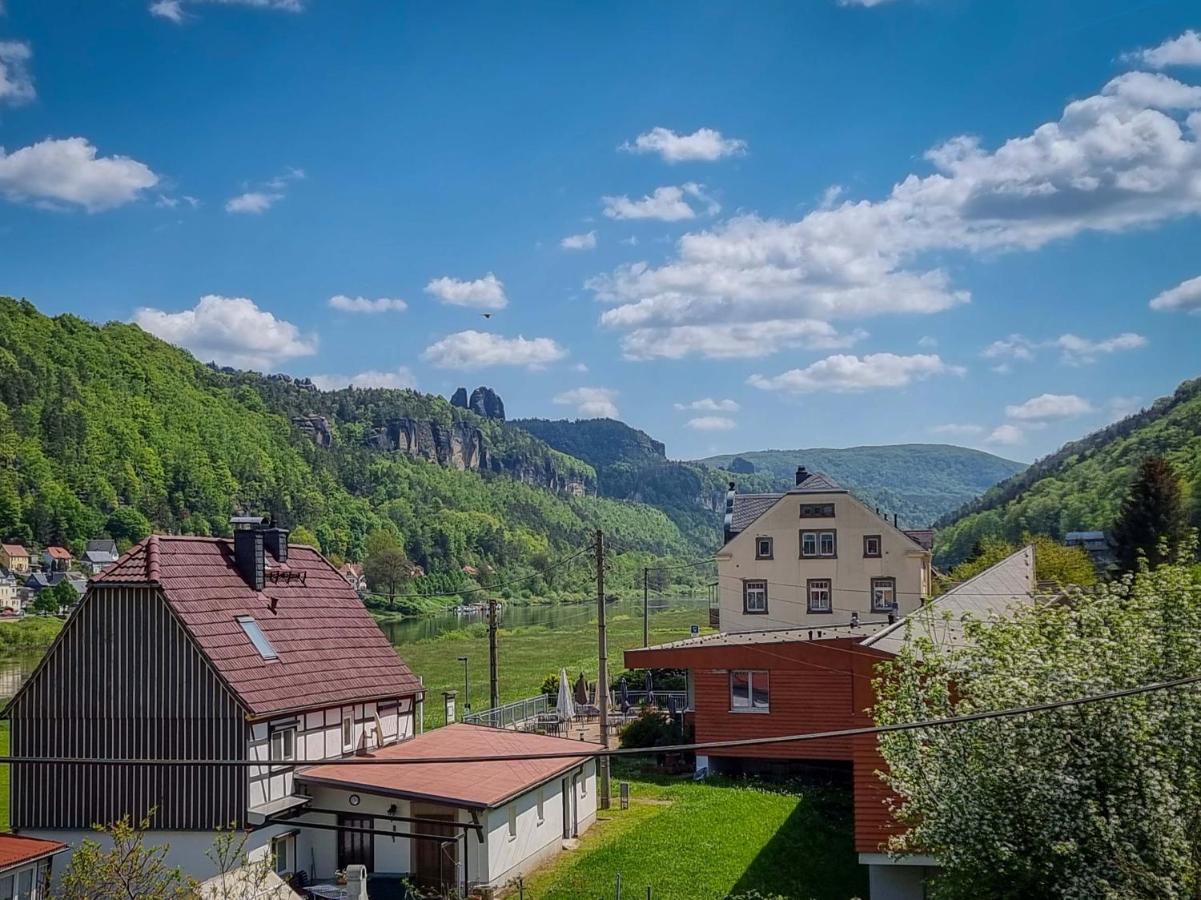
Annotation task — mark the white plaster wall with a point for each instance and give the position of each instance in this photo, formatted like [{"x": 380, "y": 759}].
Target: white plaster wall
[
  {"x": 392, "y": 855},
  {"x": 897, "y": 882},
  {"x": 850, "y": 573}
]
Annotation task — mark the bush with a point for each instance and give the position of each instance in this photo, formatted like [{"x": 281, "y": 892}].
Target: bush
[
  {"x": 663, "y": 679},
  {"x": 653, "y": 728}
]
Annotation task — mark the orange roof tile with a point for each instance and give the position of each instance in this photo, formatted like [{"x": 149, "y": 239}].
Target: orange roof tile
[{"x": 16, "y": 849}]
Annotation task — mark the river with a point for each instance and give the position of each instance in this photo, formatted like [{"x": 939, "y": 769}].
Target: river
[{"x": 15, "y": 669}]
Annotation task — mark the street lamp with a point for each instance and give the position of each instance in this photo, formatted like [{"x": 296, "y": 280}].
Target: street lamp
[{"x": 466, "y": 686}]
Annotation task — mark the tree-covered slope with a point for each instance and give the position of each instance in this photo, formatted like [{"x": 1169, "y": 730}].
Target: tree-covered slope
[
  {"x": 105, "y": 429},
  {"x": 1081, "y": 486},
  {"x": 918, "y": 482}
]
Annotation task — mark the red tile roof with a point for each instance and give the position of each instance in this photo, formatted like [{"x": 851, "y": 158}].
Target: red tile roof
[
  {"x": 15, "y": 550},
  {"x": 58, "y": 552},
  {"x": 16, "y": 849},
  {"x": 477, "y": 785},
  {"x": 330, "y": 650}
]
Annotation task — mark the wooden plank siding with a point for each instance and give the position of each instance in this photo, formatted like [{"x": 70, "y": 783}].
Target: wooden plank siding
[{"x": 125, "y": 680}]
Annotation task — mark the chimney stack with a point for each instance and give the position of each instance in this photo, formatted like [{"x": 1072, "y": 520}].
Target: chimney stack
[
  {"x": 728, "y": 519},
  {"x": 276, "y": 542},
  {"x": 248, "y": 549},
  {"x": 801, "y": 474}
]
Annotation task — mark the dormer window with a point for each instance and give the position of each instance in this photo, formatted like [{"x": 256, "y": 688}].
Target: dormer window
[
  {"x": 255, "y": 633},
  {"x": 763, "y": 548}
]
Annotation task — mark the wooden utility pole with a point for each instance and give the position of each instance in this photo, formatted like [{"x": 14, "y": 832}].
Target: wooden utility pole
[
  {"x": 602, "y": 682},
  {"x": 646, "y": 607},
  {"x": 493, "y": 685}
]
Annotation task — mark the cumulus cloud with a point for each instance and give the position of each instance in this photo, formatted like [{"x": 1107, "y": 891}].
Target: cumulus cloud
[
  {"x": 958, "y": 430},
  {"x": 482, "y": 293},
  {"x": 844, "y": 374},
  {"x": 1125, "y": 157},
  {"x": 54, "y": 172},
  {"x": 712, "y": 423},
  {"x": 173, "y": 10},
  {"x": 708, "y": 404},
  {"x": 704, "y": 145},
  {"x": 1006, "y": 435},
  {"x": 481, "y": 349},
  {"x": 1013, "y": 347},
  {"x": 666, "y": 204},
  {"x": 398, "y": 378},
  {"x": 364, "y": 305},
  {"x": 1180, "y": 51},
  {"x": 732, "y": 341},
  {"x": 590, "y": 402},
  {"x": 231, "y": 331},
  {"x": 1049, "y": 408},
  {"x": 579, "y": 241},
  {"x": 263, "y": 197},
  {"x": 16, "y": 82},
  {"x": 1185, "y": 297},
  {"x": 1079, "y": 351}
]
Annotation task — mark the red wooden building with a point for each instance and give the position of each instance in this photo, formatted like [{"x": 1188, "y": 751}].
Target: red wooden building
[{"x": 797, "y": 681}]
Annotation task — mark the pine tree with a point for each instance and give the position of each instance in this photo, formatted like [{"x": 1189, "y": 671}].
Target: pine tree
[{"x": 1153, "y": 521}]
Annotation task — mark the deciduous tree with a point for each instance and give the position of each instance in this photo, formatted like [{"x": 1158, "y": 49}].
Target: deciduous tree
[{"x": 128, "y": 869}]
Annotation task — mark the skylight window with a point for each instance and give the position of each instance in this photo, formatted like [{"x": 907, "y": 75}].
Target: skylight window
[{"x": 255, "y": 633}]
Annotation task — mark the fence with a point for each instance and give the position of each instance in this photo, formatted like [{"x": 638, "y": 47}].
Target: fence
[{"x": 511, "y": 714}]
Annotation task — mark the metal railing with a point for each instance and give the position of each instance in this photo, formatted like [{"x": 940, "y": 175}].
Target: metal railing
[{"x": 510, "y": 715}]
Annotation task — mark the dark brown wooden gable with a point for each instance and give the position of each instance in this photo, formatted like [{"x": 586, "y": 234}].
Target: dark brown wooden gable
[{"x": 125, "y": 680}]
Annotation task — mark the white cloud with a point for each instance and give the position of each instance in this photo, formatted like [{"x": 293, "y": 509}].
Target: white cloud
[
  {"x": 169, "y": 201},
  {"x": 400, "y": 378},
  {"x": 1049, "y": 408},
  {"x": 16, "y": 82},
  {"x": 731, "y": 341},
  {"x": 704, "y": 144},
  {"x": 843, "y": 373},
  {"x": 927, "y": 342},
  {"x": 666, "y": 204},
  {"x": 1006, "y": 435},
  {"x": 1126, "y": 157},
  {"x": 1120, "y": 407},
  {"x": 1013, "y": 347},
  {"x": 69, "y": 171},
  {"x": 482, "y": 293},
  {"x": 590, "y": 402},
  {"x": 231, "y": 331},
  {"x": 1181, "y": 51},
  {"x": 631, "y": 241},
  {"x": 712, "y": 423},
  {"x": 866, "y": 3},
  {"x": 364, "y": 305},
  {"x": 173, "y": 10},
  {"x": 585, "y": 241},
  {"x": 957, "y": 430},
  {"x": 266, "y": 195},
  {"x": 708, "y": 404},
  {"x": 480, "y": 349},
  {"x": 1078, "y": 351},
  {"x": 1185, "y": 297}
]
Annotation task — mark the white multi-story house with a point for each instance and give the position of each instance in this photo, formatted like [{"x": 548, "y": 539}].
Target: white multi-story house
[
  {"x": 209, "y": 651},
  {"x": 815, "y": 556}
]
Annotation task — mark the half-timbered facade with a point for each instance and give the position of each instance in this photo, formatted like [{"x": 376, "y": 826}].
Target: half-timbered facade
[{"x": 199, "y": 651}]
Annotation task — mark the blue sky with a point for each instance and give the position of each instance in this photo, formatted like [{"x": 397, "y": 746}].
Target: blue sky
[{"x": 786, "y": 224}]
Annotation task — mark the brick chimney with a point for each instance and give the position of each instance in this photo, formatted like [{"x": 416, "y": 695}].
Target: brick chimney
[
  {"x": 276, "y": 541},
  {"x": 801, "y": 474},
  {"x": 248, "y": 549}
]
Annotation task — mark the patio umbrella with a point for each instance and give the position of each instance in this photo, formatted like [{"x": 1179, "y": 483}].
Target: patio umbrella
[
  {"x": 564, "y": 706},
  {"x": 581, "y": 690},
  {"x": 650, "y": 689},
  {"x": 625, "y": 694}
]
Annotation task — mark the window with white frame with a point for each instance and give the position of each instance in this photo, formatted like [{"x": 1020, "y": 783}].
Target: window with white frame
[
  {"x": 283, "y": 853},
  {"x": 884, "y": 594},
  {"x": 754, "y": 597},
  {"x": 283, "y": 744},
  {"x": 820, "y": 592},
  {"x": 819, "y": 544},
  {"x": 763, "y": 548},
  {"x": 871, "y": 546},
  {"x": 18, "y": 885},
  {"x": 347, "y": 734},
  {"x": 750, "y": 690}
]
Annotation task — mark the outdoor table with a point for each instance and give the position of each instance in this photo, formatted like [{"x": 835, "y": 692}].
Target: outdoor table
[{"x": 328, "y": 891}]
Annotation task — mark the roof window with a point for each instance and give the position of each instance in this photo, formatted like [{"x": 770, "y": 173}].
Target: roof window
[{"x": 255, "y": 633}]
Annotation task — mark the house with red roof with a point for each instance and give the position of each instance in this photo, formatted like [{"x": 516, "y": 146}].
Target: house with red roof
[
  {"x": 210, "y": 652},
  {"x": 56, "y": 559},
  {"x": 25, "y": 866},
  {"x": 14, "y": 558}
]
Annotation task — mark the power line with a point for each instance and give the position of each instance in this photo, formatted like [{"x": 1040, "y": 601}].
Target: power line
[{"x": 918, "y": 725}]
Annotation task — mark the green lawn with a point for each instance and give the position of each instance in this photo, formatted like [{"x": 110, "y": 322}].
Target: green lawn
[
  {"x": 528, "y": 654},
  {"x": 709, "y": 840}
]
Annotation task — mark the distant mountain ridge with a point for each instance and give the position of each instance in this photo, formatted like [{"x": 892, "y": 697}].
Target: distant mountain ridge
[{"x": 1080, "y": 486}]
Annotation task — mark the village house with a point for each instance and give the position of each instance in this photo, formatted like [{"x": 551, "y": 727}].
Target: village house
[
  {"x": 778, "y": 682},
  {"x": 14, "y": 558},
  {"x": 100, "y": 554},
  {"x": 56, "y": 559},
  {"x": 212, "y": 650},
  {"x": 815, "y": 555},
  {"x": 10, "y": 598},
  {"x": 25, "y": 866}
]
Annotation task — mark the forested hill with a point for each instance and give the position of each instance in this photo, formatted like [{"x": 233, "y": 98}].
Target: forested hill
[
  {"x": 1081, "y": 486},
  {"x": 918, "y": 482},
  {"x": 107, "y": 430}
]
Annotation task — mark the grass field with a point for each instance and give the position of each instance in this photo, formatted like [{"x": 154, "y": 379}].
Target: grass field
[
  {"x": 528, "y": 654},
  {"x": 709, "y": 840}
]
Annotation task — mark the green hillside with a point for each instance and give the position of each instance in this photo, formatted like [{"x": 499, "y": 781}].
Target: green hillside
[
  {"x": 1081, "y": 486},
  {"x": 107, "y": 430},
  {"x": 918, "y": 482}
]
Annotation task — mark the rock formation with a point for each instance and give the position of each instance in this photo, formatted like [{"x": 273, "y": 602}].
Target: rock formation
[
  {"x": 487, "y": 403},
  {"x": 316, "y": 428},
  {"x": 459, "y": 398}
]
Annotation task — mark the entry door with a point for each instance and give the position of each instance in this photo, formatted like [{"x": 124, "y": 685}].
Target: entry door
[
  {"x": 436, "y": 856},
  {"x": 356, "y": 847}
]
